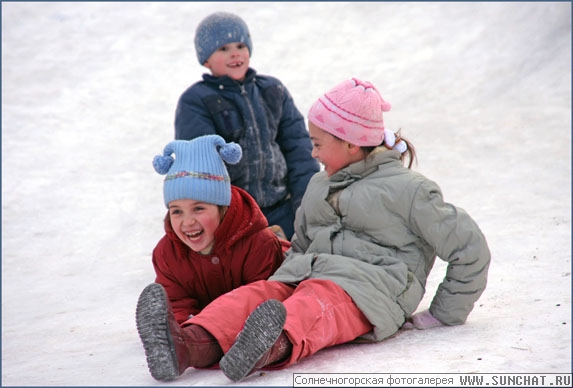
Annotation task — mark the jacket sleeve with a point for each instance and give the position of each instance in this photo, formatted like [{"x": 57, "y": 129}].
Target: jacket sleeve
[
  {"x": 192, "y": 118},
  {"x": 457, "y": 240},
  {"x": 294, "y": 141},
  {"x": 265, "y": 256},
  {"x": 182, "y": 304}
]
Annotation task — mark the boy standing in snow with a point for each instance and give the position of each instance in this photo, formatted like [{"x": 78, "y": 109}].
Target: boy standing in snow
[
  {"x": 367, "y": 234},
  {"x": 256, "y": 111},
  {"x": 216, "y": 239}
]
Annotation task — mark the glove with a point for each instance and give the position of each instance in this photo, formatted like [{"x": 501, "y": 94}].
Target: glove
[{"x": 421, "y": 321}]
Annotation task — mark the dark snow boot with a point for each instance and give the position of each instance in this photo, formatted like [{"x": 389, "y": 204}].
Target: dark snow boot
[
  {"x": 280, "y": 350},
  {"x": 170, "y": 349},
  {"x": 260, "y": 343}
]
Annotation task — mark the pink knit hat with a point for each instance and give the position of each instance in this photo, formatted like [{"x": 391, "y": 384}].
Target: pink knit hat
[{"x": 351, "y": 111}]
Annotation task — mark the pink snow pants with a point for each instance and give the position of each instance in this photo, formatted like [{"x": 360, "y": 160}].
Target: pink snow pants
[{"x": 319, "y": 314}]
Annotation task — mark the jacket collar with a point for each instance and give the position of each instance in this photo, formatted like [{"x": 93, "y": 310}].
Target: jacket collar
[
  {"x": 365, "y": 167},
  {"x": 227, "y": 82}
]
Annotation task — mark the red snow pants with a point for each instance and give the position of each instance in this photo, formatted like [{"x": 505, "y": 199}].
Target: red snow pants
[{"x": 319, "y": 314}]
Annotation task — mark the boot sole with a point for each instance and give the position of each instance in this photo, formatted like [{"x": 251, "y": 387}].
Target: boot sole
[
  {"x": 262, "y": 329},
  {"x": 153, "y": 328}
]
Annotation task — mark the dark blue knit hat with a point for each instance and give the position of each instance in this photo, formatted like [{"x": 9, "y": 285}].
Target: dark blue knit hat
[
  {"x": 217, "y": 30},
  {"x": 197, "y": 172}
]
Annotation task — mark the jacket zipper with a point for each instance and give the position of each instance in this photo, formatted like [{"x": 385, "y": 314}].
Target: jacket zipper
[{"x": 257, "y": 137}]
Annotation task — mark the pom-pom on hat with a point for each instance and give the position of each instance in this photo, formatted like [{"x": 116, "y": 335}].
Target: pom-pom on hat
[
  {"x": 198, "y": 171},
  {"x": 351, "y": 111},
  {"x": 219, "y": 29}
]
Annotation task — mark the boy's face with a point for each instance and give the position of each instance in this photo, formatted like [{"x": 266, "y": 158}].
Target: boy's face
[
  {"x": 231, "y": 60},
  {"x": 195, "y": 223}
]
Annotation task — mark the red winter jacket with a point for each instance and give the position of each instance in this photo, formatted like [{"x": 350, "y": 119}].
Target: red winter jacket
[{"x": 245, "y": 250}]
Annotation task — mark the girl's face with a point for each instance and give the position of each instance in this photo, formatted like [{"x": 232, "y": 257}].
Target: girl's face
[
  {"x": 231, "y": 60},
  {"x": 334, "y": 154},
  {"x": 195, "y": 223}
]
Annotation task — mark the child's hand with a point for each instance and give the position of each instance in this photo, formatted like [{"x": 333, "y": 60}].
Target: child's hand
[{"x": 421, "y": 321}]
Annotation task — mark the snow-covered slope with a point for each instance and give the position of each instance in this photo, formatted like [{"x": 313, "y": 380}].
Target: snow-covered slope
[{"x": 88, "y": 98}]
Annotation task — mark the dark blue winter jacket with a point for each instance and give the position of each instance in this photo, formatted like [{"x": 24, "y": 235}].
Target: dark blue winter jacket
[{"x": 260, "y": 115}]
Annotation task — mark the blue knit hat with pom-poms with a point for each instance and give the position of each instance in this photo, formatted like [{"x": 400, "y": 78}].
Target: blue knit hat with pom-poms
[
  {"x": 217, "y": 30},
  {"x": 198, "y": 169}
]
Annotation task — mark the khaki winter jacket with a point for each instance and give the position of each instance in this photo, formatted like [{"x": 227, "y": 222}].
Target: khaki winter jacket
[{"x": 380, "y": 239}]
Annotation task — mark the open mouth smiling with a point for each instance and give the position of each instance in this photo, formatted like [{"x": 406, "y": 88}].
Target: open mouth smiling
[{"x": 195, "y": 234}]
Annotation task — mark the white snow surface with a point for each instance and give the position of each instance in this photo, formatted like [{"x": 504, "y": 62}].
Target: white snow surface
[{"x": 89, "y": 89}]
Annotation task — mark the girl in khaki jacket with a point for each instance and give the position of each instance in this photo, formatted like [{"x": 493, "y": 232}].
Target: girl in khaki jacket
[{"x": 367, "y": 234}]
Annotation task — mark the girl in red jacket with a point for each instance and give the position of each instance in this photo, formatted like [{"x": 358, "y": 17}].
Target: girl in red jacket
[{"x": 216, "y": 239}]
